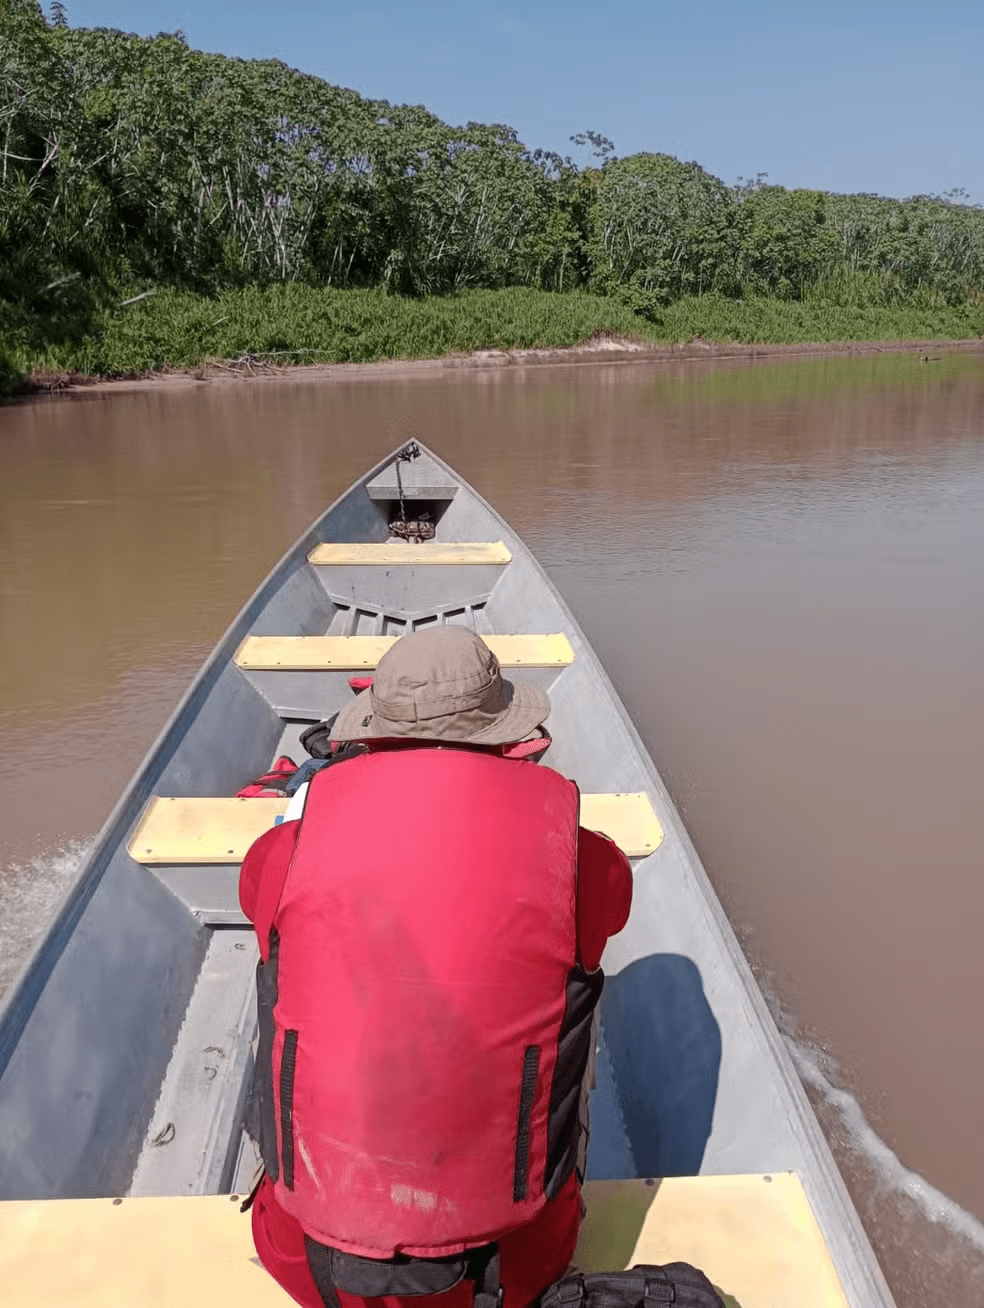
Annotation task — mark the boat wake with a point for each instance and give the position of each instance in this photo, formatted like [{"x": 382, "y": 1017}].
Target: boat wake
[
  {"x": 817, "y": 1070},
  {"x": 930, "y": 1248},
  {"x": 29, "y": 894}
]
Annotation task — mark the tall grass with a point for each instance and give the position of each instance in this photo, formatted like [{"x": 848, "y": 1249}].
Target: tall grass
[
  {"x": 295, "y": 324},
  {"x": 762, "y": 319}
]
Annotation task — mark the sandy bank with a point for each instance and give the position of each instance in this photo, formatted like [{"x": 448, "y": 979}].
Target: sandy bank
[{"x": 600, "y": 349}]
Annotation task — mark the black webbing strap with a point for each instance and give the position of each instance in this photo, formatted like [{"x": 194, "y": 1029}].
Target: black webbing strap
[
  {"x": 656, "y": 1287},
  {"x": 659, "y": 1288},
  {"x": 254, "y": 1190},
  {"x": 484, "y": 1271},
  {"x": 527, "y": 1093},
  {"x": 288, "y": 1065},
  {"x": 401, "y": 1276},
  {"x": 566, "y": 1292},
  {"x": 319, "y": 1261},
  {"x": 643, "y": 1286}
]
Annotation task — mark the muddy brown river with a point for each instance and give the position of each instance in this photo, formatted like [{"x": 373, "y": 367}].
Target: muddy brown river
[{"x": 781, "y": 564}]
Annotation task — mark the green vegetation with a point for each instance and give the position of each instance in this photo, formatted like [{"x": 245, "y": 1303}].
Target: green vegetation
[
  {"x": 303, "y": 324},
  {"x": 815, "y": 318},
  {"x": 263, "y": 211},
  {"x": 296, "y": 324}
]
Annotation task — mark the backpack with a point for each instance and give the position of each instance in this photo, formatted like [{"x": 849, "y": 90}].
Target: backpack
[{"x": 642, "y": 1286}]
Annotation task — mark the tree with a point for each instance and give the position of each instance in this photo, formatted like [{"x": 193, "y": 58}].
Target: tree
[
  {"x": 660, "y": 230},
  {"x": 783, "y": 242},
  {"x": 602, "y": 147}
]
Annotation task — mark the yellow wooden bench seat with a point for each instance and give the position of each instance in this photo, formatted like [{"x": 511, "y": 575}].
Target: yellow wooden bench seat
[
  {"x": 195, "y": 830},
  {"x": 399, "y": 553},
  {"x": 319, "y": 653},
  {"x": 138, "y": 1253},
  {"x": 755, "y": 1237}
]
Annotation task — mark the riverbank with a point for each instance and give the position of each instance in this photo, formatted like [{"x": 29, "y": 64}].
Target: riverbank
[
  {"x": 602, "y": 349},
  {"x": 177, "y": 337}
]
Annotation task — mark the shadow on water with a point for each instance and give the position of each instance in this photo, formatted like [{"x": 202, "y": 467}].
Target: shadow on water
[{"x": 658, "y": 1069}]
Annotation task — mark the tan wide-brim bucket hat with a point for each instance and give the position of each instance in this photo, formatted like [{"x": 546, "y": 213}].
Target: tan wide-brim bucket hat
[{"x": 444, "y": 684}]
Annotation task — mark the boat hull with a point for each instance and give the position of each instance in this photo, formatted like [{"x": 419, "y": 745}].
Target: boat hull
[{"x": 126, "y": 1042}]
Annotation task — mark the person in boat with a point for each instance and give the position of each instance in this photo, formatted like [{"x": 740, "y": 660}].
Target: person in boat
[{"x": 430, "y": 936}]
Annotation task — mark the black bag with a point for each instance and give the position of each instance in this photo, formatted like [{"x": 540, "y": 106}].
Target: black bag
[
  {"x": 317, "y": 739},
  {"x": 643, "y": 1286}
]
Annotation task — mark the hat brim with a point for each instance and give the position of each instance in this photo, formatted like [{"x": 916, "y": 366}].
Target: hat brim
[{"x": 526, "y": 708}]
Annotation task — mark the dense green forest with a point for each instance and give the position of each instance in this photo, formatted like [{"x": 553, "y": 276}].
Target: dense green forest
[{"x": 136, "y": 167}]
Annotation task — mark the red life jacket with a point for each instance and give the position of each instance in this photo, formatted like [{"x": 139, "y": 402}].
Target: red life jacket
[{"x": 424, "y": 1022}]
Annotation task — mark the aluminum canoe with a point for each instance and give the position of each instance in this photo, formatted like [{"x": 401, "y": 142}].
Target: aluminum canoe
[{"x": 126, "y": 1042}]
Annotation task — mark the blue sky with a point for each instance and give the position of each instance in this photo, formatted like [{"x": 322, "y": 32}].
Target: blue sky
[{"x": 844, "y": 95}]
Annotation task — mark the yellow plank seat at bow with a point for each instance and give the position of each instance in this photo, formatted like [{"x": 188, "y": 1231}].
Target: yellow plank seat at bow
[
  {"x": 362, "y": 653},
  {"x": 390, "y": 554},
  {"x": 200, "y": 831},
  {"x": 755, "y": 1237}
]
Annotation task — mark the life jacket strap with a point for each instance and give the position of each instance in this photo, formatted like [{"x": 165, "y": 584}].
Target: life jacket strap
[{"x": 404, "y": 1276}]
